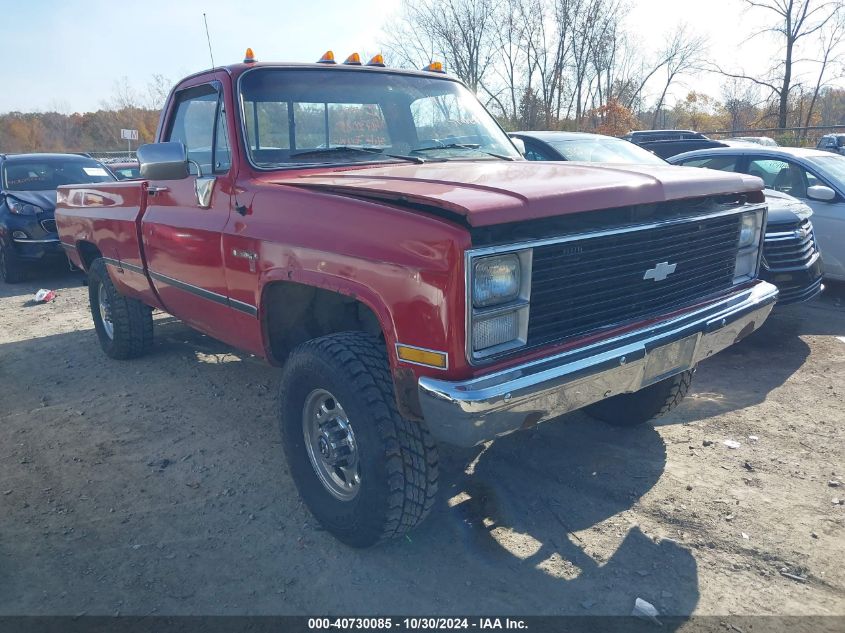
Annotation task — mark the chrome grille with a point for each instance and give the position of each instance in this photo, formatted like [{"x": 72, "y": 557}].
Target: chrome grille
[
  {"x": 596, "y": 282},
  {"x": 789, "y": 246},
  {"x": 48, "y": 225}
]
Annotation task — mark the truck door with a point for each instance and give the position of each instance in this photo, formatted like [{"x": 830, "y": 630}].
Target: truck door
[{"x": 182, "y": 227}]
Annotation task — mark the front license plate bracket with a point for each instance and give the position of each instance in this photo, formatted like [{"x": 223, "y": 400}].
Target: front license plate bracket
[{"x": 671, "y": 359}]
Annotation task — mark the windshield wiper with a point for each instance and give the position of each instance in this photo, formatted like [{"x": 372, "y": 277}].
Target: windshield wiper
[
  {"x": 473, "y": 146},
  {"x": 348, "y": 149}
]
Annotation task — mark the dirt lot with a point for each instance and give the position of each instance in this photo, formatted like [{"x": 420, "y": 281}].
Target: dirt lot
[{"x": 158, "y": 486}]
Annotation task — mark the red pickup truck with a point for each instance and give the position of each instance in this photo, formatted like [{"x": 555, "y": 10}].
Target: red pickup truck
[{"x": 377, "y": 234}]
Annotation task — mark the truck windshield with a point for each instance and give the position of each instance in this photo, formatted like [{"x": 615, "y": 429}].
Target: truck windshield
[
  {"x": 44, "y": 174},
  {"x": 297, "y": 117}
]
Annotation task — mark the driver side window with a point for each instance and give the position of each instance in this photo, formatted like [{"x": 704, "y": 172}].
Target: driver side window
[
  {"x": 199, "y": 123},
  {"x": 782, "y": 175}
]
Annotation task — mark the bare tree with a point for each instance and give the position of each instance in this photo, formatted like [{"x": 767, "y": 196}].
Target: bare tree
[
  {"x": 740, "y": 100},
  {"x": 123, "y": 97},
  {"x": 682, "y": 54},
  {"x": 158, "y": 87},
  {"x": 547, "y": 32},
  {"x": 833, "y": 37},
  {"x": 793, "y": 20},
  {"x": 594, "y": 22},
  {"x": 461, "y": 31},
  {"x": 510, "y": 39}
]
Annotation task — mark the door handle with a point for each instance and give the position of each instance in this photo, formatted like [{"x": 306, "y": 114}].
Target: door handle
[{"x": 154, "y": 189}]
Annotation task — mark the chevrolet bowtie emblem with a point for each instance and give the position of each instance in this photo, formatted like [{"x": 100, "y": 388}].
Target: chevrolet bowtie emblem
[
  {"x": 801, "y": 233},
  {"x": 660, "y": 272}
]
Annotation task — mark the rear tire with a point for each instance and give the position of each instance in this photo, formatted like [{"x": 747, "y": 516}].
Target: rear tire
[
  {"x": 11, "y": 267},
  {"x": 124, "y": 326},
  {"x": 374, "y": 476},
  {"x": 633, "y": 409}
]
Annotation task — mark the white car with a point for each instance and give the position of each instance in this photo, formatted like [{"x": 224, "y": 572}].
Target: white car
[{"x": 815, "y": 177}]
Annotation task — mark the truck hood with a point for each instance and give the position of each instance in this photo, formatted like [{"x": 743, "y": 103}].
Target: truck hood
[
  {"x": 487, "y": 193},
  {"x": 43, "y": 199}
]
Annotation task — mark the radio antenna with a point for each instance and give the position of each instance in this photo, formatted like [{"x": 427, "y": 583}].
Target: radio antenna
[{"x": 208, "y": 39}]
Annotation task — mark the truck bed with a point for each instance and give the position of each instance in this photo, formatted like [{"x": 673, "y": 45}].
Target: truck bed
[{"x": 104, "y": 221}]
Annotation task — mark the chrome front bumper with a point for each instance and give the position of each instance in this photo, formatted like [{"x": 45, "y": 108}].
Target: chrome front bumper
[{"x": 469, "y": 412}]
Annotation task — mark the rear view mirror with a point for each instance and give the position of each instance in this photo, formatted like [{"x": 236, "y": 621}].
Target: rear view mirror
[
  {"x": 821, "y": 192},
  {"x": 163, "y": 161}
]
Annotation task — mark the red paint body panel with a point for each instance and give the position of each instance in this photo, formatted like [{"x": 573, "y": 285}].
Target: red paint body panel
[{"x": 407, "y": 266}]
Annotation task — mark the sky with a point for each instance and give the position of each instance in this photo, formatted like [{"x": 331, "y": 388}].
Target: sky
[{"x": 69, "y": 56}]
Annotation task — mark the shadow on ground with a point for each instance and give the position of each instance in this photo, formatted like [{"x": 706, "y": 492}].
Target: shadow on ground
[
  {"x": 766, "y": 360},
  {"x": 158, "y": 487},
  {"x": 52, "y": 275}
]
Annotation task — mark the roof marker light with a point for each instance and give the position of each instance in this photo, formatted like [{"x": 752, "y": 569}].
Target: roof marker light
[
  {"x": 377, "y": 60},
  {"x": 327, "y": 58},
  {"x": 435, "y": 67},
  {"x": 353, "y": 60},
  {"x": 249, "y": 57}
]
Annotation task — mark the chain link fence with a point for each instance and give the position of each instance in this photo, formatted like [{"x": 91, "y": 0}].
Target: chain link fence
[
  {"x": 789, "y": 137},
  {"x": 106, "y": 158}
]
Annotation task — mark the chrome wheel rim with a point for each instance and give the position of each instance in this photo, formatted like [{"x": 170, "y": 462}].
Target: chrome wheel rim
[
  {"x": 331, "y": 446},
  {"x": 105, "y": 311}
]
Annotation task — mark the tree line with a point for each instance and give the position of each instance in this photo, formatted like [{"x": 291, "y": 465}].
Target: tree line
[
  {"x": 55, "y": 131},
  {"x": 552, "y": 64},
  {"x": 573, "y": 64}
]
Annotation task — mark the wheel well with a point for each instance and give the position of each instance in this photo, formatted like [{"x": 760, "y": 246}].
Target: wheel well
[
  {"x": 87, "y": 253},
  {"x": 295, "y": 313}
]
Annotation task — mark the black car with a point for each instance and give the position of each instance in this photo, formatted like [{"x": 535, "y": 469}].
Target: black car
[
  {"x": 584, "y": 147},
  {"x": 666, "y": 143},
  {"x": 645, "y": 136},
  {"x": 790, "y": 254},
  {"x": 28, "y": 201}
]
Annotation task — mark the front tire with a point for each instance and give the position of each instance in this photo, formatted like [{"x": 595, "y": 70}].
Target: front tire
[
  {"x": 11, "y": 268},
  {"x": 124, "y": 326},
  {"x": 365, "y": 473},
  {"x": 633, "y": 409}
]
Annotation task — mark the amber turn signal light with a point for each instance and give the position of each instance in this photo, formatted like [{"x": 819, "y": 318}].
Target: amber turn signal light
[
  {"x": 377, "y": 60},
  {"x": 420, "y": 356},
  {"x": 435, "y": 67},
  {"x": 353, "y": 60},
  {"x": 327, "y": 58},
  {"x": 249, "y": 57}
]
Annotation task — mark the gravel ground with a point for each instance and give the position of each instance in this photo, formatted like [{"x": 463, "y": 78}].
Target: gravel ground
[{"x": 158, "y": 486}]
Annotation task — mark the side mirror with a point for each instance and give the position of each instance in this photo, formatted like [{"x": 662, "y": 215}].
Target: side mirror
[
  {"x": 163, "y": 161},
  {"x": 519, "y": 144},
  {"x": 821, "y": 192}
]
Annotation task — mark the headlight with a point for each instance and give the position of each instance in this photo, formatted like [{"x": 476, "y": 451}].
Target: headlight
[
  {"x": 22, "y": 208},
  {"x": 499, "y": 288},
  {"x": 495, "y": 280},
  {"x": 749, "y": 229},
  {"x": 748, "y": 256}
]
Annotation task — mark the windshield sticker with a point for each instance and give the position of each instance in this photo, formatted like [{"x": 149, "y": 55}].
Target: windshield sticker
[{"x": 95, "y": 171}]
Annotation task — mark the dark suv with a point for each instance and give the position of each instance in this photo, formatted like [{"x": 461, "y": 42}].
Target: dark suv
[
  {"x": 645, "y": 136},
  {"x": 27, "y": 201},
  {"x": 832, "y": 143},
  {"x": 668, "y": 143}
]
